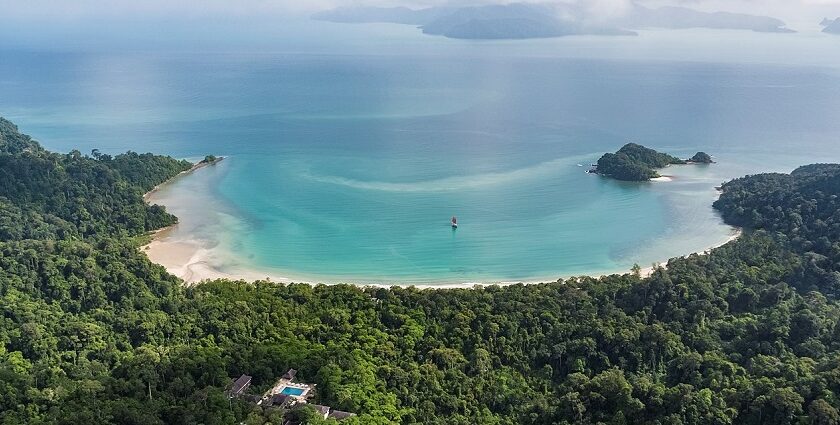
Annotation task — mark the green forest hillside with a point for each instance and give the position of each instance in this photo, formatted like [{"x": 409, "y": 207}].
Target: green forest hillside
[
  {"x": 92, "y": 333},
  {"x": 634, "y": 162}
]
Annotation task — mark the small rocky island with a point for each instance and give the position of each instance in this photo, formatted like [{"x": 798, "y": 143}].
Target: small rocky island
[
  {"x": 211, "y": 159},
  {"x": 634, "y": 162},
  {"x": 701, "y": 158}
]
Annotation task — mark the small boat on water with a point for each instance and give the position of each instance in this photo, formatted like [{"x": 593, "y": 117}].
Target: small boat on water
[{"x": 454, "y": 222}]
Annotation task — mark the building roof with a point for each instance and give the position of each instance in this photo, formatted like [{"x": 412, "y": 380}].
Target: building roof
[
  {"x": 338, "y": 414},
  {"x": 290, "y": 374},
  {"x": 324, "y": 410},
  {"x": 278, "y": 399},
  {"x": 240, "y": 385}
]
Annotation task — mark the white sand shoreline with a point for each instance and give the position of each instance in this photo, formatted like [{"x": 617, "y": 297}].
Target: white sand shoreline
[
  {"x": 192, "y": 263},
  {"x": 195, "y": 261},
  {"x": 196, "y": 166}
]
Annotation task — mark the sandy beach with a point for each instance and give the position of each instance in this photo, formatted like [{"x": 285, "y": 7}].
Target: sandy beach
[
  {"x": 193, "y": 263},
  {"x": 197, "y": 166},
  {"x": 185, "y": 254}
]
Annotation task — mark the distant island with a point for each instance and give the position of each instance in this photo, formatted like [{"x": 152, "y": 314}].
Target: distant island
[
  {"x": 533, "y": 20},
  {"x": 672, "y": 17},
  {"x": 701, "y": 158},
  {"x": 634, "y": 162},
  {"x": 831, "y": 26},
  {"x": 511, "y": 21}
]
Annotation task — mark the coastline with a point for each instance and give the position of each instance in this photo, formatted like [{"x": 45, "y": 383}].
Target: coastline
[
  {"x": 194, "y": 260},
  {"x": 192, "y": 263},
  {"x": 197, "y": 166}
]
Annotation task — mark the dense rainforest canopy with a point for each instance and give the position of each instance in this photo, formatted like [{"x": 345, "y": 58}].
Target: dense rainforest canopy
[{"x": 91, "y": 332}]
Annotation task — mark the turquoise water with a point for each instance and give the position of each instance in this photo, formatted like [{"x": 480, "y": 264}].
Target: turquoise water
[
  {"x": 292, "y": 391},
  {"x": 346, "y": 165}
]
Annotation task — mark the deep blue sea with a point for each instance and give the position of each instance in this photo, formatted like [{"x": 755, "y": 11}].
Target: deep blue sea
[{"x": 346, "y": 158}]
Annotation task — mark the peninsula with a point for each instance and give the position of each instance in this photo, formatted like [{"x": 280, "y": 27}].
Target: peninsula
[{"x": 208, "y": 160}]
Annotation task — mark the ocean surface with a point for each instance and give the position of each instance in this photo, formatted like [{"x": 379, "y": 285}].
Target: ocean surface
[{"x": 346, "y": 157}]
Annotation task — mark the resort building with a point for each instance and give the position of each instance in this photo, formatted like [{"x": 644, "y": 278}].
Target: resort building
[
  {"x": 339, "y": 415},
  {"x": 285, "y": 394},
  {"x": 240, "y": 386},
  {"x": 277, "y": 400},
  {"x": 290, "y": 375},
  {"x": 328, "y": 412},
  {"x": 322, "y": 410},
  {"x": 286, "y": 386}
]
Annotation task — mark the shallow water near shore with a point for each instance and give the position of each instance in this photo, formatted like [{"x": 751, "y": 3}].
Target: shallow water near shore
[
  {"x": 346, "y": 164},
  {"x": 256, "y": 237}
]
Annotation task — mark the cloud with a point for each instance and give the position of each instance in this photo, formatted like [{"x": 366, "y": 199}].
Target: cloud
[
  {"x": 606, "y": 9},
  {"x": 804, "y": 10},
  {"x": 85, "y": 10}
]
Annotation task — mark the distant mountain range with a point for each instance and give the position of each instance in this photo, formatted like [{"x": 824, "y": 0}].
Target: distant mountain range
[
  {"x": 831, "y": 26},
  {"x": 682, "y": 18},
  {"x": 529, "y": 20}
]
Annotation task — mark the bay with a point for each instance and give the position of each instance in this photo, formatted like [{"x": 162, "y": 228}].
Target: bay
[{"x": 346, "y": 161}]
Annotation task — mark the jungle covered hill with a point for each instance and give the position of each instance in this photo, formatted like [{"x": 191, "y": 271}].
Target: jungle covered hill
[
  {"x": 634, "y": 162},
  {"x": 92, "y": 332}
]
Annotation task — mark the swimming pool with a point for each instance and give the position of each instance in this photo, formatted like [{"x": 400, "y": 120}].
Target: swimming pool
[{"x": 292, "y": 391}]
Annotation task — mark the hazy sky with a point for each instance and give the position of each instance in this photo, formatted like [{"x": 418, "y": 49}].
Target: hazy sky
[{"x": 69, "y": 10}]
